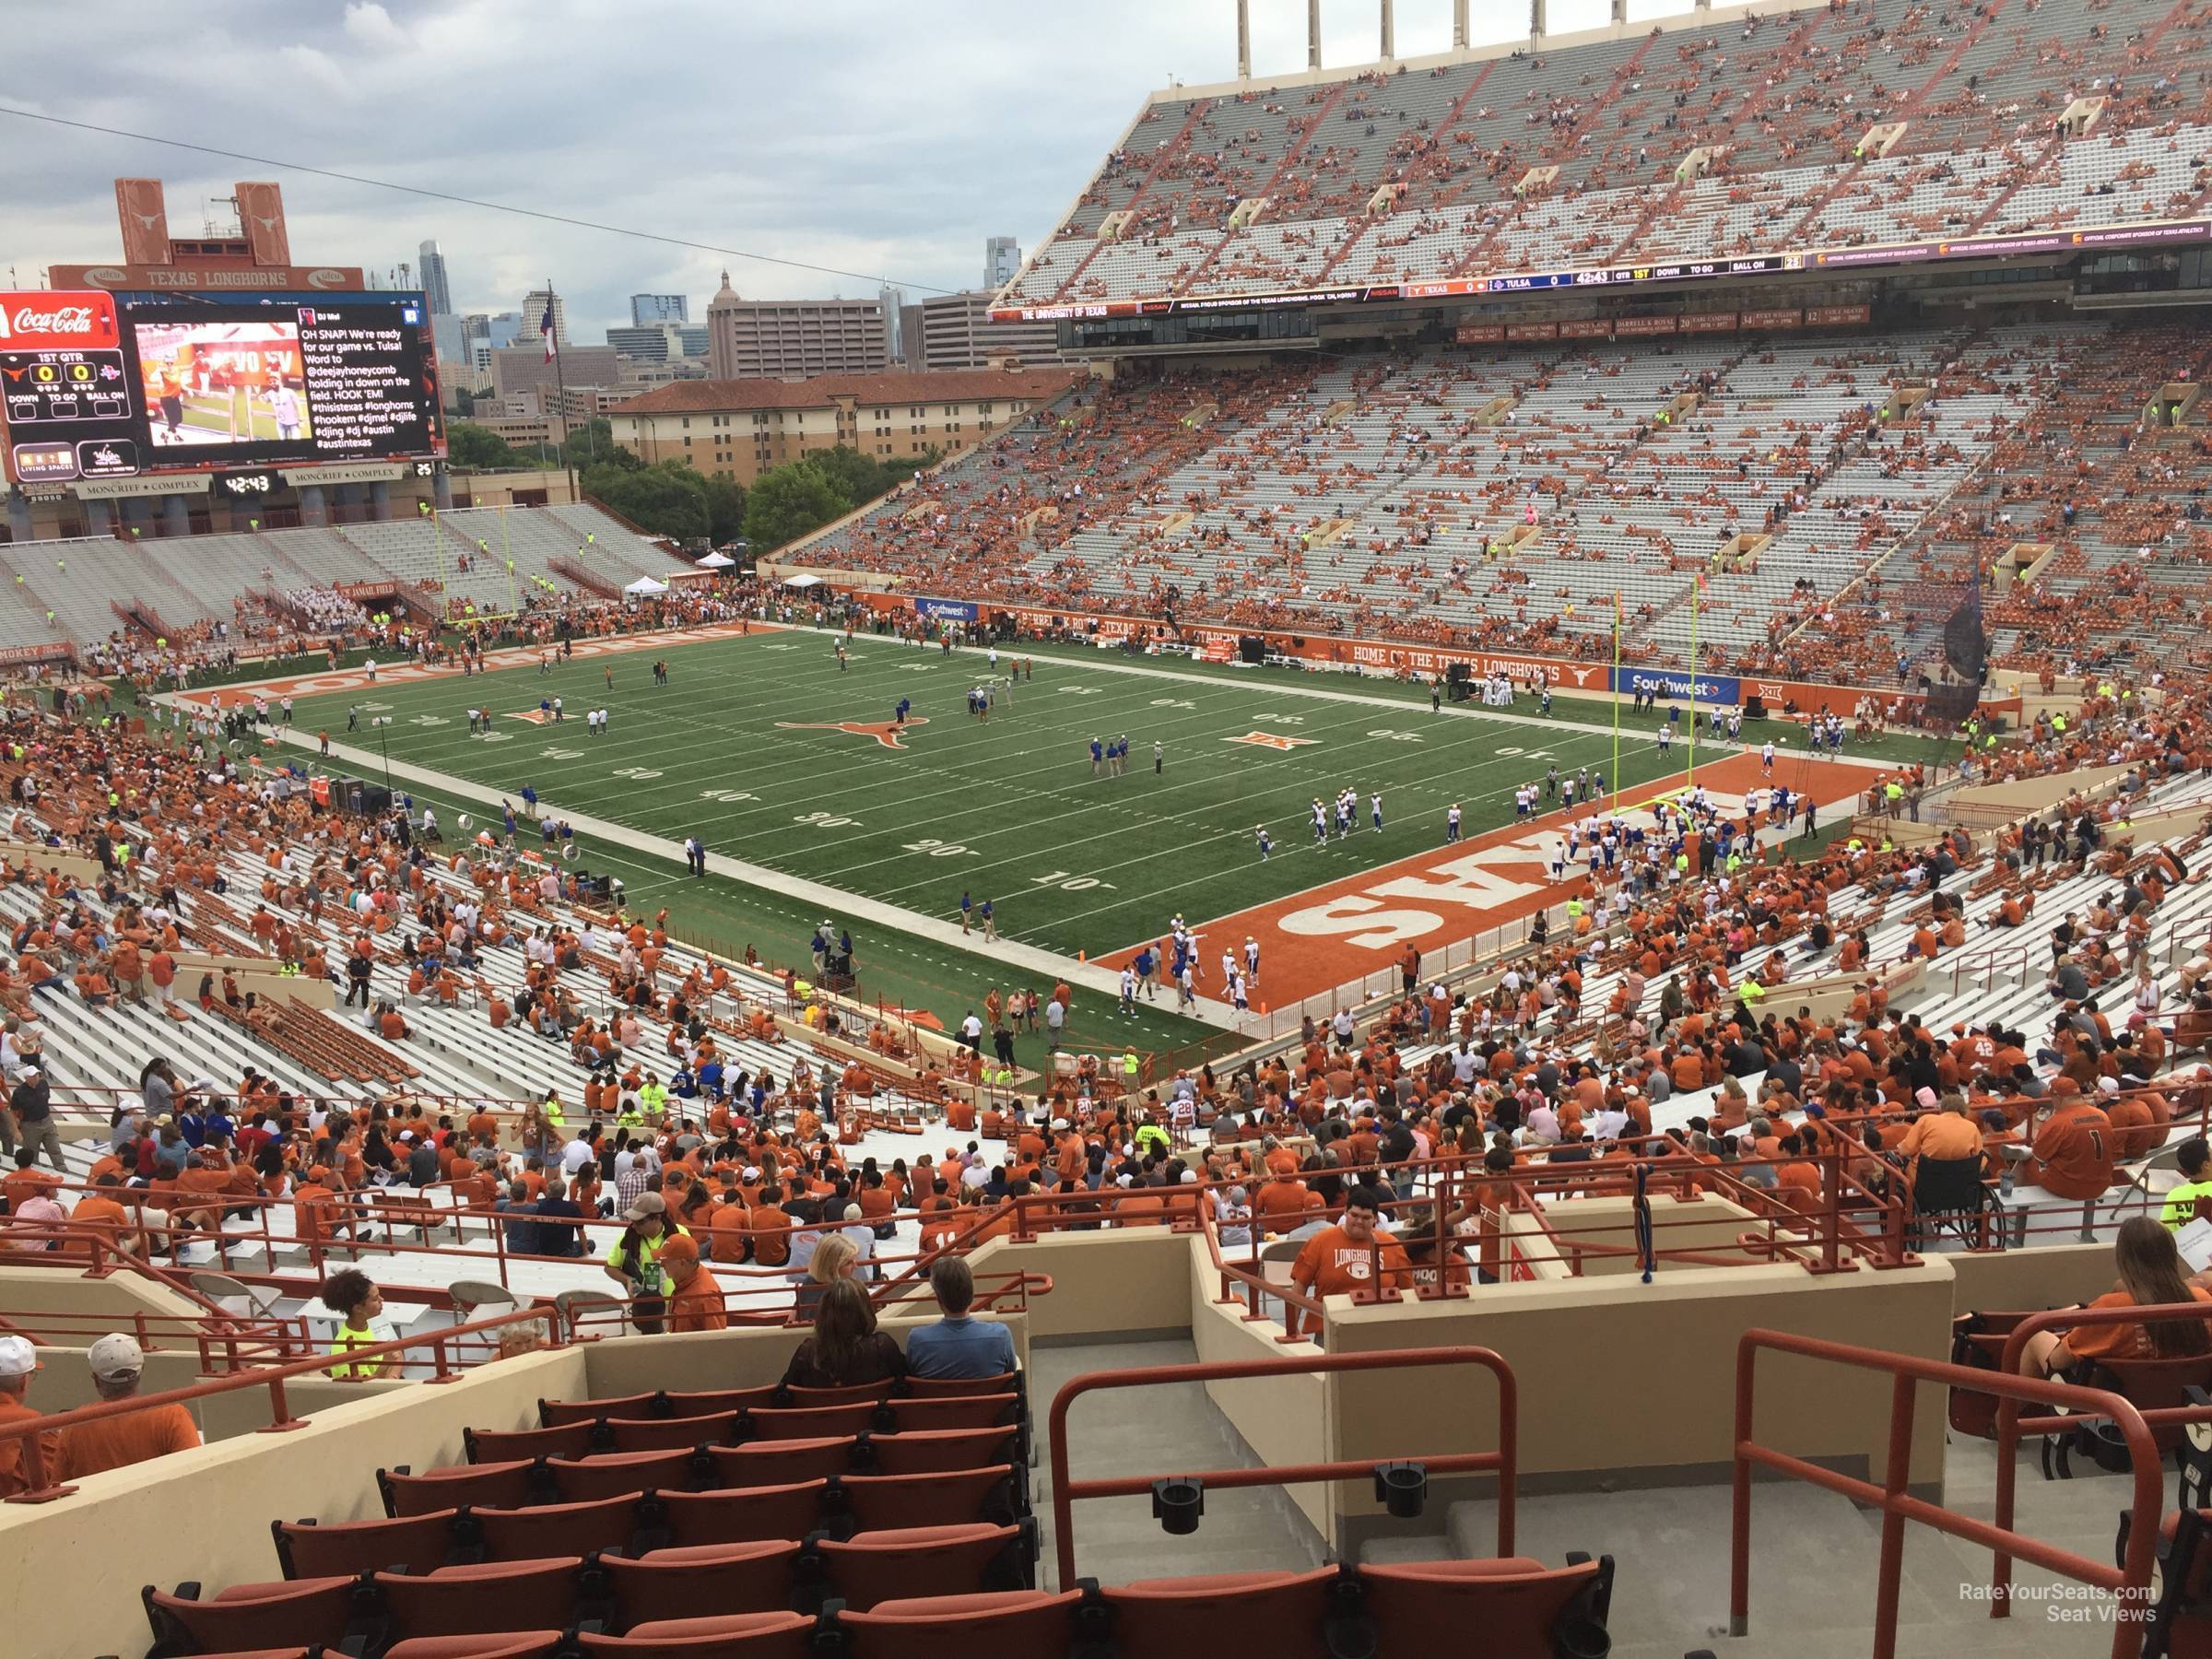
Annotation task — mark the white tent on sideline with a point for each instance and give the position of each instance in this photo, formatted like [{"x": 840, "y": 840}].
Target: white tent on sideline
[
  {"x": 716, "y": 561},
  {"x": 647, "y": 585},
  {"x": 802, "y": 582}
]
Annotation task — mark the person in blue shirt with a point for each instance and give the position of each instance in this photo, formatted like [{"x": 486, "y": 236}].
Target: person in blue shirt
[
  {"x": 958, "y": 1346},
  {"x": 905, "y": 705},
  {"x": 1097, "y": 754},
  {"x": 709, "y": 1079},
  {"x": 520, "y": 1215}
]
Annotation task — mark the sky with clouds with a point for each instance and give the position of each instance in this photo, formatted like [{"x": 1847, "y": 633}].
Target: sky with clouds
[{"x": 876, "y": 139}]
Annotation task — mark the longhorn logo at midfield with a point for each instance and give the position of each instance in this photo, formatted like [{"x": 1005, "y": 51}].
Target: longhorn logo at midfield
[{"x": 885, "y": 732}]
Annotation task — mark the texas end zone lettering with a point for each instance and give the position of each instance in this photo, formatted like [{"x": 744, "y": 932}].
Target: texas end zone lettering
[{"x": 1470, "y": 882}]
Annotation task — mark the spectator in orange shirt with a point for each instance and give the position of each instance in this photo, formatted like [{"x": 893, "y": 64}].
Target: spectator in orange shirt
[
  {"x": 770, "y": 1229},
  {"x": 694, "y": 1299},
  {"x": 1341, "y": 1259},
  {"x": 118, "y": 1364},
  {"x": 18, "y": 1361},
  {"x": 2073, "y": 1151},
  {"x": 2152, "y": 1274}
]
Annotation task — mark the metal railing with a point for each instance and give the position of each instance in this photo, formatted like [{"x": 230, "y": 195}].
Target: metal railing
[
  {"x": 2130, "y": 1580},
  {"x": 445, "y": 1351},
  {"x": 1504, "y": 1462}
]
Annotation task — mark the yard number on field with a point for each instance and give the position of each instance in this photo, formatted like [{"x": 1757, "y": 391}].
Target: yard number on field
[
  {"x": 1172, "y": 702},
  {"x": 1067, "y": 883},
  {"x": 939, "y": 849},
  {"x": 1388, "y": 735},
  {"x": 824, "y": 820},
  {"x": 728, "y": 797},
  {"x": 640, "y": 772}
]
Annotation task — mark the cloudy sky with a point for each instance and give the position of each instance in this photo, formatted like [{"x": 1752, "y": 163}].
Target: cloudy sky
[{"x": 877, "y": 139}]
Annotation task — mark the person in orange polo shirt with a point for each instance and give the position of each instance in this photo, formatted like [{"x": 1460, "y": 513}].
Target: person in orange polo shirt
[
  {"x": 694, "y": 1299},
  {"x": 118, "y": 1364},
  {"x": 1341, "y": 1259}
]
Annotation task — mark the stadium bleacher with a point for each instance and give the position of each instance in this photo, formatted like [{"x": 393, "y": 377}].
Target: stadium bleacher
[{"x": 1776, "y": 1127}]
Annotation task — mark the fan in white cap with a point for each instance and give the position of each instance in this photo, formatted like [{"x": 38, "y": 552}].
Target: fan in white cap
[{"x": 115, "y": 1357}]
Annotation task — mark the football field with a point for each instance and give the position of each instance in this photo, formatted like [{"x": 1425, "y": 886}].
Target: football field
[{"x": 768, "y": 751}]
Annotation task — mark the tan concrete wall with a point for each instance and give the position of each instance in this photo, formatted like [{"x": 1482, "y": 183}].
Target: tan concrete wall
[
  {"x": 205, "y": 1515},
  {"x": 702, "y": 1360},
  {"x": 1623, "y": 1380},
  {"x": 1281, "y": 1418},
  {"x": 36, "y": 1291},
  {"x": 2032, "y": 795},
  {"x": 2055, "y": 1275},
  {"x": 1103, "y": 1283},
  {"x": 65, "y": 1383}
]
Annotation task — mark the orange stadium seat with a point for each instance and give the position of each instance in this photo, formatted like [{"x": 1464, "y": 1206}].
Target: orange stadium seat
[
  {"x": 483, "y": 1598},
  {"x": 411, "y": 1543},
  {"x": 746, "y": 1514},
  {"x": 781, "y": 1462},
  {"x": 700, "y": 1580},
  {"x": 947, "y": 1560},
  {"x": 722, "y": 1636},
  {"x": 507, "y": 1485}
]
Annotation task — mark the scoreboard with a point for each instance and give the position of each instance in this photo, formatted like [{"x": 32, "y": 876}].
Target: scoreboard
[{"x": 102, "y": 385}]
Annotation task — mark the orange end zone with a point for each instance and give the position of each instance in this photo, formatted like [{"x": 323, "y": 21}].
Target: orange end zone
[{"x": 1329, "y": 935}]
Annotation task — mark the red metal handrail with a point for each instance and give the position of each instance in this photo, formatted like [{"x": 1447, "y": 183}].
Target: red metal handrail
[
  {"x": 27, "y": 1431},
  {"x": 2130, "y": 1580},
  {"x": 2011, "y": 1426},
  {"x": 1504, "y": 1461}
]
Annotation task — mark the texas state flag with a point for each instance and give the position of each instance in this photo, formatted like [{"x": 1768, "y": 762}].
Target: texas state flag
[{"x": 544, "y": 330}]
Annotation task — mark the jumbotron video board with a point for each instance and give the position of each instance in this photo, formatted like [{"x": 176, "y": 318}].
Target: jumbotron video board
[{"x": 105, "y": 385}]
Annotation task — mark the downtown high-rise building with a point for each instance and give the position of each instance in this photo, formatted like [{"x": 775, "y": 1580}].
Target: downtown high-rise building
[
  {"x": 437, "y": 290},
  {"x": 648, "y": 309},
  {"x": 1002, "y": 259}
]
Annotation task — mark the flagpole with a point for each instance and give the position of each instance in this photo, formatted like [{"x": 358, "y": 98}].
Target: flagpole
[
  {"x": 560, "y": 385},
  {"x": 1616, "y": 690},
  {"x": 1697, "y": 586}
]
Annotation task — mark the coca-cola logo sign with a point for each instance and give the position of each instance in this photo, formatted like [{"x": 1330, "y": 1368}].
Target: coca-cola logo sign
[{"x": 57, "y": 321}]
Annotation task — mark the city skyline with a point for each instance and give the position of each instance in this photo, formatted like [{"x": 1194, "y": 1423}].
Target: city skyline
[{"x": 907, "y": 197}]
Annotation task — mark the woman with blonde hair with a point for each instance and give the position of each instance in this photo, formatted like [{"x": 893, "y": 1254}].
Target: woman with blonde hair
[{"x": 833, "y": 1259}]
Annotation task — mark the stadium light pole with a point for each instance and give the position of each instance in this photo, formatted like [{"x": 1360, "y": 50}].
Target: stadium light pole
[{"x": 383, "y": 744}]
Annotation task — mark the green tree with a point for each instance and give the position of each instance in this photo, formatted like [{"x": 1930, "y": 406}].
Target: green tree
[
  {"x": 856, "y": 477},
  {"x": 469, "y": 444},
  {"x": 592, "y": 443},
  {"x": 788, "y": 501},
  {"x": 669, "y": 500},
  {"x": 725, "y": 508},
  {"x": 899, "y": 471}
]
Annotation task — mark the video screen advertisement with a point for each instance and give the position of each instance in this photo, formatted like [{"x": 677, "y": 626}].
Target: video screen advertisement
[{"x": 102, "y": 385}]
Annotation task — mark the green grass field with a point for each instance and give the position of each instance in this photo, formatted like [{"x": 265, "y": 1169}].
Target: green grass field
[{"x": 1007, "y": 809}]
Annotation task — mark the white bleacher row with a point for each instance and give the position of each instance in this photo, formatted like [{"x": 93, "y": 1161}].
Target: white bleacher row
[
  {"x": 1996, "y": 978},
  {"x": 190, "y": 580},
  {"x": 1616, "y": 514},
  {"x": 1780, "y": 107}
]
